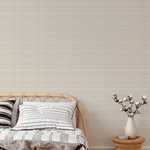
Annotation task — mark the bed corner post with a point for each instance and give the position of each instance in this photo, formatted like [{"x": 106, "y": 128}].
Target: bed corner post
[{"x": 83, "y": 123}]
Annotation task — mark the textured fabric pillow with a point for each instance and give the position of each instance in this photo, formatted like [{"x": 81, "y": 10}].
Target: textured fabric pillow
[
  {"x": 53, "y": 115},
  {"x": 15, "y": 113},
  {"x": 6, "y": 109},
  {"x": 74, "y": 119}
]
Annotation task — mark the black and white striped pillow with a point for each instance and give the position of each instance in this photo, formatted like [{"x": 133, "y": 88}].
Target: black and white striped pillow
[{"x": 6, "y": 109}]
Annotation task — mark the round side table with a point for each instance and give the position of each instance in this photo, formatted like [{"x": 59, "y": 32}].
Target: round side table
[{"x": 134, "y": 144}]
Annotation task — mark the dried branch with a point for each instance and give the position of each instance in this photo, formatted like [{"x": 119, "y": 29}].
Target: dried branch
[{"x": 129, "y": 109}]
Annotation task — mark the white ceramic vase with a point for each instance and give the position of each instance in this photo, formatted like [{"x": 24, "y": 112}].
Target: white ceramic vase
[{"x": 130, "y": 129}]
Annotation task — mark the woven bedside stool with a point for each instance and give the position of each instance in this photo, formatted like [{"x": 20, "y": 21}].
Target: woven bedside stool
[{"x": 134, "y": 144}]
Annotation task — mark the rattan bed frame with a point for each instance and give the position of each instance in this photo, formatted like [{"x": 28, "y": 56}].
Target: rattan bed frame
[{"x": 44, "y": 96}]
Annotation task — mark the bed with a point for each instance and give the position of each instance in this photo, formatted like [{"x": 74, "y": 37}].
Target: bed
[{"x": 23, "y": 136}]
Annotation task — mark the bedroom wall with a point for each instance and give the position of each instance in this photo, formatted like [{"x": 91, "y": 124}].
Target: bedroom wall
[{"x": 86, "y": 49}]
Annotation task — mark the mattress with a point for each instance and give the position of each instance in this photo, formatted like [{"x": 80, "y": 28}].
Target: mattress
[{"x": 46, "y": 139}]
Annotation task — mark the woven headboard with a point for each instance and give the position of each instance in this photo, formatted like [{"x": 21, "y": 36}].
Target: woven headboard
[{"x": 54, "y": 98}]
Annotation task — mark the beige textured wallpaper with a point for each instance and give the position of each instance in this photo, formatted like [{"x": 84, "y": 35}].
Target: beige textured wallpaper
[{"x": 88, "y": 49}]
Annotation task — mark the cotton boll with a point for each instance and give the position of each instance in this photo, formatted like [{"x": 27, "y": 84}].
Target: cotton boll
[
  {"x": 117, "y": 100},
  {"x": 131, "y": 114},
  {"x": 142, "y": 102},
  {"x": 131, "y": 102},
  {"x": 138, "y": 112},
  {"x": 137, "y": 104},
  {"x": 145, "y": 102},
  {"x": 130, "y": 97},
  {"x": 124, "y": 99},
  {"x": 114, "y": 97},
  {"x": 120, "y": 101},
  {"x": 126, "y": 109},
  {"x": 130, "y": 110},
  {"x": 114, "y": 94},
  {"x": 121, "y": 109},
  {"x": 144, "y": 97}
]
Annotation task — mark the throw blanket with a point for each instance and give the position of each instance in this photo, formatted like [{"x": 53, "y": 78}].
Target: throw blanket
[{"x": 42, "y": 139}]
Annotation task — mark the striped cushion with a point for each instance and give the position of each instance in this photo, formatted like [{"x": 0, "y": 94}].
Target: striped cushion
[
  {"x": 47, "y": 116},
  {"x": 6, "y": 108},
  {"x": 74, "y": 119}
]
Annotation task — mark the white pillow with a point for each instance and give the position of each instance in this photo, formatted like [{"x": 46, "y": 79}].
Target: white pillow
[
  {"x": 51, "y": 115},
  {"x": 74, "y": 119}
]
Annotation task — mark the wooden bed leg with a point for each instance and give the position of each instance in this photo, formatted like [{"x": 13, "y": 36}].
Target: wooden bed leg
[{"x": 83, "y": 122}]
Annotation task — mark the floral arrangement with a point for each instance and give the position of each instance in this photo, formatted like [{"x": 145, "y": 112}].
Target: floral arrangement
[{"x": 128, "y": 109}]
